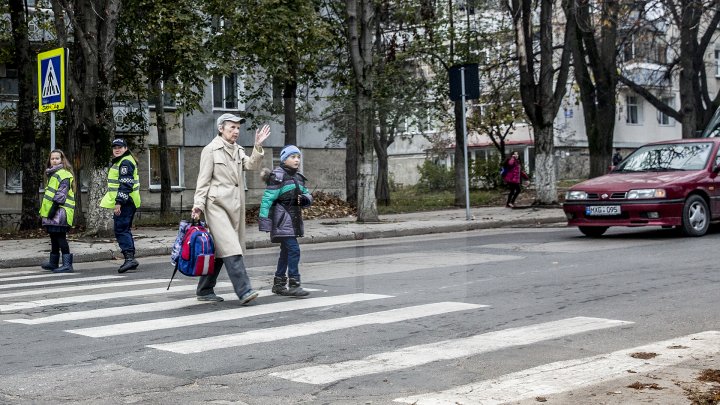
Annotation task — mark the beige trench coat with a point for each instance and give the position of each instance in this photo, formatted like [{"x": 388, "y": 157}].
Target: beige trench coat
[{"x": 220, "y": 194}]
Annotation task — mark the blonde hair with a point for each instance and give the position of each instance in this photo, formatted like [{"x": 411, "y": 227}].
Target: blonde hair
[{"x": 66, "y": 165}]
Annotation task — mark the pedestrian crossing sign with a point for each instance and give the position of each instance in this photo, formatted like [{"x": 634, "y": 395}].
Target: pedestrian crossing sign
[{"x": 51, "y": 80}]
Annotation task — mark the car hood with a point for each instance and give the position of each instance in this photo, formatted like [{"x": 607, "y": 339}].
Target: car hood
[{"x": 629, "y": 181}]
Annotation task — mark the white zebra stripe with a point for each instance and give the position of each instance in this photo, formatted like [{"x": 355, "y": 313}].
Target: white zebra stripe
[
  {"x": 59, "y": 281},
  {"x": 446, "y": 350},
  {"x": 99, "y": 297},
  {"x": 563, "y": 376},
  {"x": 219, "y": 316},
  {"x": 311, "y": 328}
]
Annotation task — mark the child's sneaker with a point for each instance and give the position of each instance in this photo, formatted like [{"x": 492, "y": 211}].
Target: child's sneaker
[{"x": 248, "y": 296}]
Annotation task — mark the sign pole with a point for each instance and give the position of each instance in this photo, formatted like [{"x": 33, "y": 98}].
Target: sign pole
[
  {"x": 52, "y": 130},
  {"x": 465, "y": 146}
]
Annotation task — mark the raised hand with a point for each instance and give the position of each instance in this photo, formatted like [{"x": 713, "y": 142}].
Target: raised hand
[{"x": 261, "y": 134}]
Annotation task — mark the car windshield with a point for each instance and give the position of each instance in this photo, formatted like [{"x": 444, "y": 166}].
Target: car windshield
[{"x": 674, "y": 156}]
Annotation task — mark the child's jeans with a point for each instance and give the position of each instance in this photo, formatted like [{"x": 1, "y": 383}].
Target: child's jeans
[{"x": 289, "y": 259}]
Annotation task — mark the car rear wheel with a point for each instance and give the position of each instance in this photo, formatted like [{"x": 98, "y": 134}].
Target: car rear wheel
[
  {"x": 593, "y": 231},
  {"x": 695, "y": 216}
]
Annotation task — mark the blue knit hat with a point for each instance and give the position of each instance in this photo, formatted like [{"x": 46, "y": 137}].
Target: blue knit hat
[{"x": 287, "y": 151}]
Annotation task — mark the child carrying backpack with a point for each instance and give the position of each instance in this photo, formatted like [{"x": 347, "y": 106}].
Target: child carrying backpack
[{"x": 193, "y": 252}]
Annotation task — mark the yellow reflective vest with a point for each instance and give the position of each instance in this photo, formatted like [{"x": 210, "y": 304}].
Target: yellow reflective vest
[
  {"x": 108, "y": 200},
  {"x": 50, "y": 190}
]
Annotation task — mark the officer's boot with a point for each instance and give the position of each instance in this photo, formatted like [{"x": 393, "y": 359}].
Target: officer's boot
[
  {"x": 294, "y": 289},
  {"x": 279, "y": 285},
  {"x": 130, "y": 262},
  {"x": 52, "y": 264},
  {"x": 67, "y": 266}
]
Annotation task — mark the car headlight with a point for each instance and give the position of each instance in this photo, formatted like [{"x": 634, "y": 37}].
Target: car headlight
[
  {"x": 646, "y": 193},
  {"x": 576, "y": 195}
]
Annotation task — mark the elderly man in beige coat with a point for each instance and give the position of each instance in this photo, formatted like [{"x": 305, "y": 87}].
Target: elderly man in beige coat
[{"x": 220, "y": 195}]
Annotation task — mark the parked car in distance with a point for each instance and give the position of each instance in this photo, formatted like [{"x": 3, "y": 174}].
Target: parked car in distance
[{"x": 667, "y": 184}]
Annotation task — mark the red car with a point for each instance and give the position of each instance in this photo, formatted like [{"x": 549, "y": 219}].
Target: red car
[{"x": 668, "y": 184}]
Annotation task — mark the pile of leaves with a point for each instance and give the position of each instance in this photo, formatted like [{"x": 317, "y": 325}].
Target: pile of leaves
[{"x": 324, "y": 206}]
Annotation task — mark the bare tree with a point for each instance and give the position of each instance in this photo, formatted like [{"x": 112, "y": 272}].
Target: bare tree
[
  {"x": 593, "y": 38},
  {"x": 681, "y": 52},
  {"x": 539, "y": 72},
  {"x": 90, "y": 116},
  {"x": 29, "y": 155},
  {"x": 360, "y": 28}
]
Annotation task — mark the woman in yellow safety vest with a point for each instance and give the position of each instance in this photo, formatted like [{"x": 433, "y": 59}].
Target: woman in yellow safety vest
[
  {"x": 123, "y": 197},
  {"x": 58, "y": 210}
]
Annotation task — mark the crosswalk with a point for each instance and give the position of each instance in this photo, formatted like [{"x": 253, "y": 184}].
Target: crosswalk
[{"x": 103, "y": 308}]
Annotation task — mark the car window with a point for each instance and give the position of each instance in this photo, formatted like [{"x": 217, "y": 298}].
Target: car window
[{"x": 678, "y": 156}]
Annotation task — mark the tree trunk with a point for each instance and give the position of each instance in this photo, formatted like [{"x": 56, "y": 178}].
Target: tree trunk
[
  {"x": 165, "y": 186},
  {"x": 31, "y": 167},
  {"x": 99, "y": 220},
  {"x": 361, "y": 24},
  {"x": 382, "y": 188},
  {"x": 289, "y": 102},
  {"x": 544, "y": 175},
  {"x": 459, "y": 157}
]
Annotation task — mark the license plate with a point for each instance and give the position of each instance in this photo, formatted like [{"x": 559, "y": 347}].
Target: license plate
[{"x": 602, "y": 210}]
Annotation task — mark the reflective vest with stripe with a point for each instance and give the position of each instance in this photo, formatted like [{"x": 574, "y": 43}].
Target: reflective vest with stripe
[
  {"x": 108, "y": 200},
  {"x": 50, "y": 190}
]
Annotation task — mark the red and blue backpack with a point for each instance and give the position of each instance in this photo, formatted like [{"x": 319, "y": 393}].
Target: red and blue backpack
[{"x": 194, "y": 251}]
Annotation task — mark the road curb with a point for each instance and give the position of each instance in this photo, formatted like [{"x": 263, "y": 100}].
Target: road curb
[{"x": 464, "y": 226}]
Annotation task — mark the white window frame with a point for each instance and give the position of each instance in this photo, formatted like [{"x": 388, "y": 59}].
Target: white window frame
[
  {"x": 665, "y": 120},
  {"x": 180, "y": 162},
  {"x": 633, "y": 102},
  {"x": 223, "y": 88},
  {"x": 717, "y": 63},
  {"x": 12, "y": 173}
]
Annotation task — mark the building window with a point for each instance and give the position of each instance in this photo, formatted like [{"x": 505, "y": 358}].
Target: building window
[
  {"x": 664, "y": 119},
  {"x": 13, "y": 180},
  {"x": 225, "y": 92},
  {"x": 634, "y": 110},
  {"x": 9, "y": 80},
  {"x": 168, "y": 96},
  {"x": 717, "y": 63},
  {"x": 176, "y": 164}
]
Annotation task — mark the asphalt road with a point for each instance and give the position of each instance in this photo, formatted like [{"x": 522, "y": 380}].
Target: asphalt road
[{"x": 477, "y": 317}]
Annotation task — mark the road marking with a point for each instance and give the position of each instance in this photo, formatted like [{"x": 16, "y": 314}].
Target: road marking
[
  {"x": 445, "y": 350},
  {"x": 100, "y": 297},
  {"x": 311, "y": 328},
  {"x": 392, "y": 263},
  {"x": 220, "y": 316},
  {"x": 4, "y": 274},
  {"x": 44, "y": 275},
  {"x": 42, "y": 291},
  {"x": 51, "y": 282},
  {"x": 130, "y": 309},
  {"x": 568, "y": 375},
  {"x": 568, "y": 246},
  {"x": 19, "y": 275}
]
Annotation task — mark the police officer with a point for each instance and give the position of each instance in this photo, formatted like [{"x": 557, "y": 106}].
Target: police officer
[{"x": 123, "y": 197}]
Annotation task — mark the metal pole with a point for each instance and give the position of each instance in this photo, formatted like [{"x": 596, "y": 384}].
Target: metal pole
[
  {"x": 465, "y": 150},
  {"x": 52, "y": 130}
]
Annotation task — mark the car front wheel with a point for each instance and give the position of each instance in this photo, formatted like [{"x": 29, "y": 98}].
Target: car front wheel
[
  {"x": 695, "y": 216},
  {"x": 593, "y": 231}
]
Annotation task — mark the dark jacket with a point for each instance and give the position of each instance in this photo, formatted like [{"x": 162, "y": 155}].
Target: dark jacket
[
  {"x": 280, "y": 210},
  {"x": 127, "y": 170}
]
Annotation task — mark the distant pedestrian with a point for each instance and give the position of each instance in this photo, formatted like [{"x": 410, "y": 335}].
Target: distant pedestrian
[
  {"x": 58, "y": 210},
  {"x": 220, "y": 196},
  {"x": 123, "y": 197},
  {"x": 281, "y": 215},
  {"x": 513, "y": 177},
  {"x": 616, "y": 157}
]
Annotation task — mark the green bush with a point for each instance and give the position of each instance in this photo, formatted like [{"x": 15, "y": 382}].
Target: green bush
[
  {"x": 485, "y": 174},
  {"x": 434, "y": 177}
]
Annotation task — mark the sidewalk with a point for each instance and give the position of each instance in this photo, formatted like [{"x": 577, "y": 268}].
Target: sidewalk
[{"x": 158, "y": 241}]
